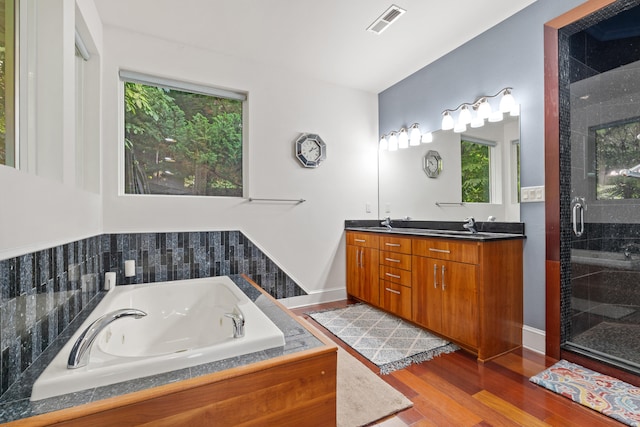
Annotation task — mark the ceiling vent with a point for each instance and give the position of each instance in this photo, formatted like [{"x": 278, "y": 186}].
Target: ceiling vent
[{"x": 387, "y": 18}]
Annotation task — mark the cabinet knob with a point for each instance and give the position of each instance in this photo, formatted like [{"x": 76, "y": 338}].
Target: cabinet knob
[{"x": 392, "y": 291}]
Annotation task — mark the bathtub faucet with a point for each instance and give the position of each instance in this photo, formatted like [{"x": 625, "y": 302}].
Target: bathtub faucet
[
  {"x": 238, "y": 323},
  {"x": 79, "y": 355}
]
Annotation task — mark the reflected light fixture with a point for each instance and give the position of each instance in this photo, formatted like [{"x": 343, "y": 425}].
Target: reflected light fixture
[
  {"x": 393, "y": 141},
  {"x": 410, "y": 136},
  {"x": 460, "y": 127},
  {"x": 403, "y": 139},
  {"x": 383, "y": 144},
  {"x": 414, "y": 135}
]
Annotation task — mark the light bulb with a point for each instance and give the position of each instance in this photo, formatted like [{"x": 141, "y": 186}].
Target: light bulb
[
  {"x": 447, "y": 121},
  {"x": 496, "y": 116},
  {"x": 465, "y": 116},
  {"x": 428, "y": 137},
  {"x": 403, "y": 139},
  {"x": 384, "y": 145},
  {"x": 515, "y": 111},
  {"x": 484, "y": 109},
  {"x": 507, "y": 102},
  {"x": 414, "y": 136},
  {"x": 460, "y": 127},
  {"x": 393, "y": 142},
  {"x": 477, "y": 122}
]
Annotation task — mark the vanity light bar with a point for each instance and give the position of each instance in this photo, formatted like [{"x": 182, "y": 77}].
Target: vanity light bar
[
  {"x": 483, "y": 111},
  {"x": 404, "y": 138},
  {"x": 411, "y": 136}
]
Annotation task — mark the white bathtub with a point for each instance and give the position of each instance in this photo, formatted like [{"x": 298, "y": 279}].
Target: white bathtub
[{"x": 185, "y": 326}]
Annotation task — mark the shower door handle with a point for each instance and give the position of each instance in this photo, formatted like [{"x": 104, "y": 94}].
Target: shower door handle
[{"x": 578, "y": 209}]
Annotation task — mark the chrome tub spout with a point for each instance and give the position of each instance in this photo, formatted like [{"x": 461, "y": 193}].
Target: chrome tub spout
[
  {"x": 79, "y": 355},
  {"x": 238, "y": 323}
]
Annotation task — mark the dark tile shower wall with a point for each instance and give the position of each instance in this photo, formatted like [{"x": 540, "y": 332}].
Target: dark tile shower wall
[
  {"x": 41, "y": 292},
  {"x": 608, "y": 237}
]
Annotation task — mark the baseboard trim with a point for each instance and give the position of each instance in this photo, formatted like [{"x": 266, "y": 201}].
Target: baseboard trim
[
  {"x": 320, "y": 297},
  {"x": 534, "y": 339}
]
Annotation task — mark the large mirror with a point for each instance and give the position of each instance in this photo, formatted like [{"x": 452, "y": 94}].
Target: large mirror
[{"x": 479, "y": 176}]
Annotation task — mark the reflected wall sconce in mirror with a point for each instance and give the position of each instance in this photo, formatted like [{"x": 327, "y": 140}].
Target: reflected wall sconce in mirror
[
  {"x": 404, "y": 138},
  {"x": 483, "y": 111}
]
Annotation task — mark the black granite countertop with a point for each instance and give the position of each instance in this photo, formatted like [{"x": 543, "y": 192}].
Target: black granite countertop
[
  {"x": 15, "y": 404},
  {"x": 487, "y": 231}
]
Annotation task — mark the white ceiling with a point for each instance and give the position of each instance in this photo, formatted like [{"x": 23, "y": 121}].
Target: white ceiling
[{"x": 324, "y": 39}]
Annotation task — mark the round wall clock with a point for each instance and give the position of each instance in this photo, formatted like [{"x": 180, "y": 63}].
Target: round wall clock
[
  {"x": 310, "y": 150},
  {"x": 432, "y": 164}
]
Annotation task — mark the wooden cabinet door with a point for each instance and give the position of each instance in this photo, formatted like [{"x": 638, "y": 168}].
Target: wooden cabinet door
[
  {"x": 427, "y": 294},
  {"x": 458, "y": 282},
  {"x": 395, "y": 298},
  {"x": 362, "y": 274}
]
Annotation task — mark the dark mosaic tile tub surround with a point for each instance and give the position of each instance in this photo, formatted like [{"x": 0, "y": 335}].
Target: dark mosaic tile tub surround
[{"x": 42, "y": 292}]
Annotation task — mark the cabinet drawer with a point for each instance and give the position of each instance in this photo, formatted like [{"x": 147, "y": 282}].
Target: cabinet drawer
[
  {"x": 393, "y": 259},
  {"x": 395, "y": 298},
  {"x": 368, "y": 240},
  {"x": 447, "y": 249},
  {"x": 395, "y": 275},
  {"x": 395, "y": 244}
]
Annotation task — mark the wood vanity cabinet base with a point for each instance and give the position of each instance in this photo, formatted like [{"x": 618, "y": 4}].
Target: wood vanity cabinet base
[{"x": 480, "y": 308}]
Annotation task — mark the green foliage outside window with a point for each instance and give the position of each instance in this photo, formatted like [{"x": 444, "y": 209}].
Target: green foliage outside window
[
  {"x": 617, "y": 152},
  {"x": 182, "y": 143},
  {"x": 475, "y": 172}
]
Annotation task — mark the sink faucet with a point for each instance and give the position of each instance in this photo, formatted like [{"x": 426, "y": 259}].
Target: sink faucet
[
  {"x": 79, "y": 355},
  {"x": 238, "y": 323},
  {"x": 629, "y": 247},
  {"x": 470, "y": 225},
  {"x": 387, "y": 222}
]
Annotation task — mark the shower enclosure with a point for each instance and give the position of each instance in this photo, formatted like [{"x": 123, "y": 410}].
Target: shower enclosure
[{"x": 599, "y": 86}]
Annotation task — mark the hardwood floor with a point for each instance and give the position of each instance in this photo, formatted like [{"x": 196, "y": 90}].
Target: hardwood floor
[{"x": 455, "y": 390}]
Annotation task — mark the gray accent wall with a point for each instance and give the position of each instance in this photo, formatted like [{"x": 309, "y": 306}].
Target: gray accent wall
[{"x": 509, "y": 54}]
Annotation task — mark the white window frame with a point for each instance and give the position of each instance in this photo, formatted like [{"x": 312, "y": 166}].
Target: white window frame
[{"x": 174, "y": 84}]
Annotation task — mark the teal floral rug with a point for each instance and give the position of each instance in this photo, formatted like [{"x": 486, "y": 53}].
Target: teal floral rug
[
  {"x": 602, "y": 393},
  {"x": 386, "y": 340}
]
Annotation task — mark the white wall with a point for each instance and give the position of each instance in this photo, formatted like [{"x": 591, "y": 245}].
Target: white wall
[
  {"x": 305, "y": 240},
  {"x": 41, "y": 206}
]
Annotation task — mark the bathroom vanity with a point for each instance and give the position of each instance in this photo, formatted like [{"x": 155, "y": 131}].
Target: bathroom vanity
[{"x": 464, "y": 287}]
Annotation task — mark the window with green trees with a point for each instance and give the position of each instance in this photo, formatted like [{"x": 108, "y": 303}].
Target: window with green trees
[
  {"x": 7, "y": 65},
  {"x": 180, "y": 141},
  {"x": 617, "y": 160},
  {"x": 476, "y": 173}
]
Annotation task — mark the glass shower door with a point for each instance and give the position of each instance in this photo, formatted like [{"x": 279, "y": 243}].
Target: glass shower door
[{"x": 604, "y": 268}]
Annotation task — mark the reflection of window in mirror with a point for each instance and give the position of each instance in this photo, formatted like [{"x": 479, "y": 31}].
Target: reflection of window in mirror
[
  {"x": 181, "y": 141},
  {"x": 475, "y": 164},
  {"x": 7, "y": 81},
  {"x": 617, "y": 159},
  {"x": 515, "y": 170}
]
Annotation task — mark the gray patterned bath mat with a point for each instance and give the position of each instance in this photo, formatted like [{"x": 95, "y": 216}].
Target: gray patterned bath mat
[{"x": 386, "y": 340}]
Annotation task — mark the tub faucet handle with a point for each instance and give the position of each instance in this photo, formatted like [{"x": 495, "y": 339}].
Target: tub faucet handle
[
  {"x": 238, "y": 323},
  {"x": 79, "y": 355}
]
